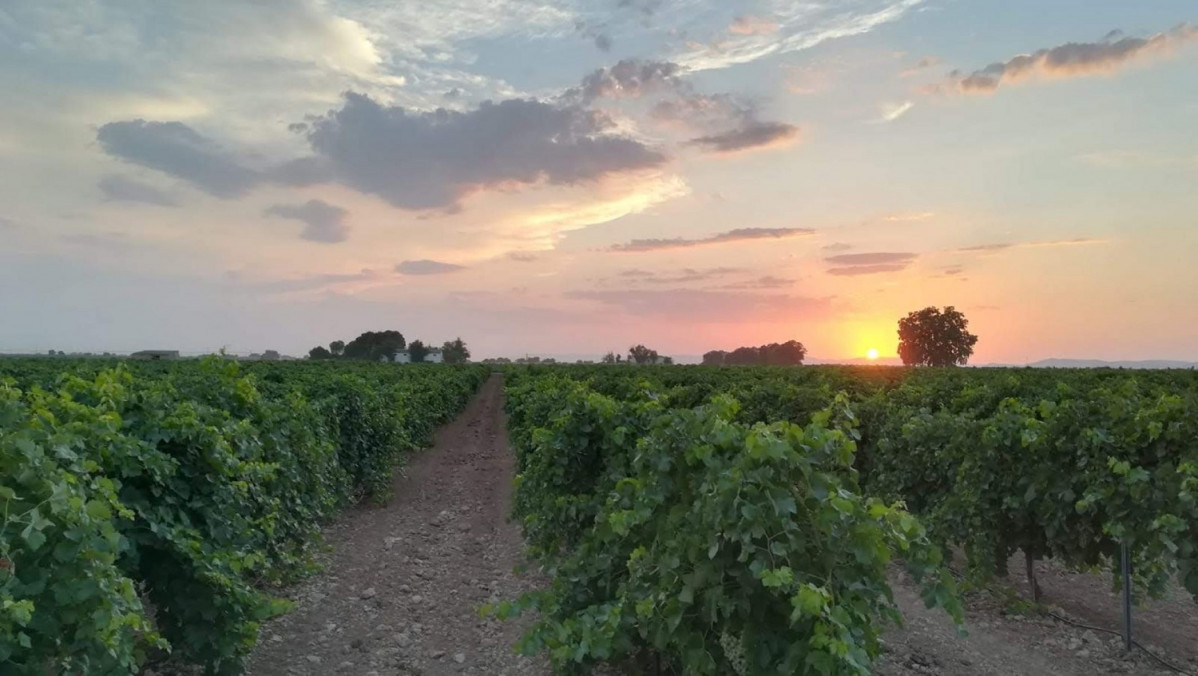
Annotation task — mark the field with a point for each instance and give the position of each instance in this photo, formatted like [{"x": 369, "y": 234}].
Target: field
[{"x": 683, "y": 519}]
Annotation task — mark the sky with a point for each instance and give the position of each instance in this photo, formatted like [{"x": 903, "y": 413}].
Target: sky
[{"x": 576, "y": 176}]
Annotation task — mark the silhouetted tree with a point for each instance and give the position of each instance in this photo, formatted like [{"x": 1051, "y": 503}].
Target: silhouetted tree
[
  {"x": 642, "y": 355},
  {"x": 455, "y": 352},
  {"x": 319, "y": 352},
  {"x": 933, "y": 337},
  {"x": 610, "y": 358},
  {"x": 417, "y": 351},
  {"x": 337, "y": 347},
  {"x": 714, "y": 358},
  {"x": 790, "y": 353},
  {"x": 375, "y": 345}
]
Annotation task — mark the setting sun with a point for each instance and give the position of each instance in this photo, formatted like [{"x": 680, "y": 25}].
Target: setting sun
[{"x": 872, "y": 353}]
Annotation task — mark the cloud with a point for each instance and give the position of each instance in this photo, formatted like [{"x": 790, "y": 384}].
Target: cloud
[
  {"x": 177, "y": 150},
  {"x": 431, "y": 160},
  {"x": 754, "y": 135},
  {"x": 763, "y": 282},
  {"x": 855, "y": 270},
  {"x": 909, "y": 216},
  {"x": 837, "y": 246},
  {"x": 738, "y": 235},
  {"x": 1130, "y": 159},
  {"x": 704, "y": 306},
  {"x": 993, "y": 248},
  {"x": 8, "y": 224},
  {"x": 752, "y": 25},
  {"x": 684, "y": 276},
  {"x": 629, "y": 78},
  {"x": 733, "y": 124},
  {"x": 120, "y": 189},
  {"x": 801, "y": 25},
  {"x": 1074, "y": 59},
  {"x": 869, "y": 263},
  {"x": 324, "y": 222},
  {"x": 920, "y": 66},
  {"x": 426, "y": 267},
  {"x": 523, "y": 256},
  {"x": 889, "y": 112}
]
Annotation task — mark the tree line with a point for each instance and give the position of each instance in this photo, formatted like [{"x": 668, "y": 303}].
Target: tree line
[{"x": 384, "y": 345}]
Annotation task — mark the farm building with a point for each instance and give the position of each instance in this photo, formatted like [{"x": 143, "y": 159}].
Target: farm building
[{"x": 433, "y": 356}]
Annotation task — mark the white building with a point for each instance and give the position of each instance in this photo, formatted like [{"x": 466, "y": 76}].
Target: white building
[{"x": 433, "y": 356}]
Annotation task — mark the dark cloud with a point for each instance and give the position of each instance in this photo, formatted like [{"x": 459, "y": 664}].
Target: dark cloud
[
  {"x": 120, "y": 189},
  {"x": 431, "y": 160},
  {"x": 523, "y": 256},
  {"x": 753, "y": 135},
  {"x": 1068, "y": 60},
  {"x": 324, "y": 222},
  {"x": 953, "y": 270},
  {"x": 837, "y": 246},
  {"x": 177, "y": 150},
  {"x": 740, "y": 234},
  {"x": 733, "y": 122},
  {"x": 452, "y": 94},
  {"x": 426, "y": 267},
  {"x": 723, "y": 307},
  {"x": 629, "y": 78},
  {"x": 869, "y": 263}
]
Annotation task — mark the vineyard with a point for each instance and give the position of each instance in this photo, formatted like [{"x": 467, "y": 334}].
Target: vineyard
[
  {"x": 149, "y": 509},
  {"x": 698, "y": 520},
  {"x": 741, "y": 520}
]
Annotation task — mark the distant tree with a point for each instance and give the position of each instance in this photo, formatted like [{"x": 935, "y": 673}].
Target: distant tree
[
  {"x": 642, "y": 355},
  {"x": 417, "y": 351},
  {"x": 375, "y": 346},
  {"x": 319, "y": 352},
  {"x": 790, "y": 353},
  {"x": 714, "y": 358},
  {"x": 455, "y": 352},
  {"x": 610, "y": 358},
  {"x": 933, "y": 337},
  {"x": 271, "y": 355},
  {"x": 337, "y": 348}
]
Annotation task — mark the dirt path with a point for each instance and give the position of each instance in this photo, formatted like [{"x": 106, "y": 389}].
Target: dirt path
[{"x": 403, "y": 582}]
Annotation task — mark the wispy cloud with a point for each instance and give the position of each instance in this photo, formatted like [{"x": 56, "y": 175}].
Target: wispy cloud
[
  {"x": 869, "y": 263},
  {"x": 752, "y": 25},
  {"x": 120, "y": 189},
  {"x": 763, "y": 282},
  {"x": 426, "y": 267},
  {"x": 684, "y": 276},
  {"x": 889, "y": 112},
  {"x": 717, "y": 307},
  {"x": 738, "y": 235},
  {"x": 921, "y": 66},
  {"x": 909, "y": 216},
  {"x": 1074, "y": 59},
  {"x": 996, "y": 247},
  {"x": 800, "y": 26},
  {"x": 1135, "y": 160}
]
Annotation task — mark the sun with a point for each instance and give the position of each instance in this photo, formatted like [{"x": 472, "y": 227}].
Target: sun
[{"x": 871, "y": 353}]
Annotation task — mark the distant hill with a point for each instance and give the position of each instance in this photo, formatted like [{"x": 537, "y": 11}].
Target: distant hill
[{"x": 1098, "y": 363}]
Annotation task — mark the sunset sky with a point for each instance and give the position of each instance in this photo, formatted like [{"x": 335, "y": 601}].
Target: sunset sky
[{"x": 576, "y": 176}]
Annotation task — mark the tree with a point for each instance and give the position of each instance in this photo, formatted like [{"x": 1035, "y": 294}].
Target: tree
[
  {"x": 933, "y": 337},
  {"x": 375, "y": 346},
  {"x": 319, "y": 352},
  {"x": 609, "y": 358},
  {"x": 271, "y": 355},
  {"x": 337, "y": 348},
  {"x": 417, "y": 351},
  {"x": 714, "y": 358},
  {"x": 455, "y": 352},
  {"x": 790, "y": 353},
  {"x": 642, "y": 355}
]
